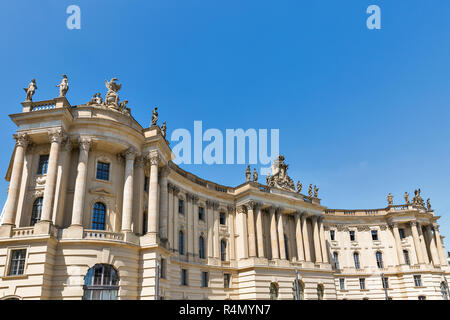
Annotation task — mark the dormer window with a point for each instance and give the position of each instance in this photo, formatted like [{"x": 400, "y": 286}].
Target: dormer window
[
  {"x": 43, "y": 164},
  {"x": 102, "y": 171}
]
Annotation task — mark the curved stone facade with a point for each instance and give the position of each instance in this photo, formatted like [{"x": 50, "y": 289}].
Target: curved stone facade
[{"x": 103, "y": 170}]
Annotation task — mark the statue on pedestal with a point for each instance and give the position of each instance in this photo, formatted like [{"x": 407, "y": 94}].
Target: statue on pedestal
[
  {"x": 310, "y": 192},
  {"x": 63, "y": 86},
  {"x": 428, "y": 205},
  {"x": 406, "y": 197},
  {"x": 316, "y": 191},
  {"x": 154, "y": 116},
  {"x": 96, "y": 99},
  {"x": 112, "y": 97},
  {"x": 299, "y": 187},
  {"x": 255, "y": 175},
  {"x": 390, "y": 199},
  {"x": 32, "y": 87},
  {"x": 248, "y": 173},
  {"x": 279, "y": 177},
  {"x": 163, "y": 130}
]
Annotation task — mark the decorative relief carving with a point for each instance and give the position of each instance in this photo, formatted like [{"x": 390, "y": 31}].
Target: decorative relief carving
[
  {"x": 130, "y": 153},
  {"x": 154, "y": 158},
  {"x": 56, "y": 135},
  {"x": 363, "y": 228},
  {"x": 22, "y": 139},
  {"x": 383, "y": 227},
  {"x": 242, "y": 209},
  {"x": 84, "y": 143}
]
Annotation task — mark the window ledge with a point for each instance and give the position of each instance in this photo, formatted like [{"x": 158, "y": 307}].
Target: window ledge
[
  {"x": 15, "y": 277},
  {"x": 103, "y": 181},
  {"x": 364, "y": 290}
]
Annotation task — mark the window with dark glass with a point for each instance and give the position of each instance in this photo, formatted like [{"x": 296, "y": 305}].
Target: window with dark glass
[
  {"x": 101, "y": 283},
  {"x": 181, "y": 242},
  {"x": 417, "y": 280},
  {"x": 17, "y": 262},
  {"x": 162, "y": 269},
  {"x": 332, "y": 235},
  {"x": 181, "y": 206},
  {"x": 36, "y": 211},
  {"x": 201, "y": 247},
  {"x": 43, "y": 164},
  {"x": 356, "y": 260},
  {"x": 222, "y": 218},
  {"x": 379, "y": 258},
  {"x": 201, "y": 213},
  {"x": 223, "y": 250},
  {"x": 184, "y": 275},
  {"x": 144, "y": 222},
  {"x": 352, "y": 235},
  {"x": 102, "y": 171},
  {"x": 342, "y": 283},
  {"x": 226, "y": 280},
  {"x": 336, "y": 260},
  {"x": 286, "y": 247},
  {"x": 362, "y": 283},
  {"x": 406, "y": 256},
  {"x": 402, "y": 233},
  {"x": 374, "y": 235},
  {"x": 204, "y": 279},
  {"x": 98, "y": 216}
]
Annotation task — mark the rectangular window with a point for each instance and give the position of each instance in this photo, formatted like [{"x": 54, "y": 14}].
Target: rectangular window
[
  {"x": 362, "y": 283},
  {"x": 184, "y": 277},
  {"x": 385, "y": 281},
  {"x": 374, "y": 235},
  {"x": 43, "y": 164},
  {"x": 180, "y": 206},
  {"x": 342, "y": 283},
  {"x": 402, "y": 233},
  {"x": 352, "y": 235},
  {"x": 201, "y": 213},
  {"x": 418, "y": 281},
  {"x": 102, "y": 171},
  {"x": 226, "y": 280},
  {"x": 205, "y": 279},
  {"x": 222, "y": 218},
  {"x": 332, "y": 235},
  {"x": 17, "y": 262},
  {"x": 162, "y": 267}
]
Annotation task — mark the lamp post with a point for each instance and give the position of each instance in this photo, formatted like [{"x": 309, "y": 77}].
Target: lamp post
[
  {"x": 157, "y": 281},
  {"x": 384, "y": 286},
  {"x": 297, "y": 289}
]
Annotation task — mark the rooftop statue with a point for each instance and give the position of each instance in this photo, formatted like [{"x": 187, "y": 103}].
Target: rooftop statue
[
  {"x": 279, "y": 177},
  {"x": 406, "y": 197},
  {"x": 390, "y": 199},
  {"x": 428, "y": 205},
  {"x": 112, "y": 98},
  {"x": 32, "y": 87},
  {"x": 163, "y": 129},
  {"x": 248, "y": 173},
  {"x": 154, "y": 116},
  {"x": 299, "y": 187},
  {"x": 63, "y": 86},
  {"x": 255, "y": 175},
  {"x": 316, "y": 191},
  {"x": 310, "y": 192},
  {"x": 96, "y": 99}
]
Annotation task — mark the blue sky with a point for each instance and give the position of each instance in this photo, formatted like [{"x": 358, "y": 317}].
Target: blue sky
[{"x": 361, "y": 112}]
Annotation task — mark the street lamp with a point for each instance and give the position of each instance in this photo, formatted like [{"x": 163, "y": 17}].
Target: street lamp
[
  {"x": 157, "y": 281},
  {"x": 384, "y": 286},
  {"x": 297, "y": 289}
]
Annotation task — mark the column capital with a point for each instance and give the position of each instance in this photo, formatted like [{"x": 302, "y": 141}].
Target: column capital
[
  {"x": 165, "y": 172},
  {"x": 231, "y": 208},
  {"x": 130, "y": 153},
  {"x": 56, "y": 135},
  {"x": 242, "y": 209},
  {"x": 139, "y": 162},
  {"x": 154, "y": 157},
  {"x": 84, "y": 143},
  {"x": 22, "y": 139},
  {"x": 212, "y": 204},
  {"x": 413, "y": 223}
]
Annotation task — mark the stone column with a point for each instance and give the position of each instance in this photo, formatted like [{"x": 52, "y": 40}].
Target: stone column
[
  {"x": 433, "y": 249},
  {"x": 127, "y": 203},
  {"x": 305, "y": 234},
  {"x": 299, "y": 237},
  {"x": 175, "y": 191},
  {"x": 216, "y": 231},
  {"x": 56, "y": 137},
  {"x": 84, "y": 145},
  {"x": 195, "y": 226},
  {"x": 232, "y": 218},
  {"x": 281, "y": 243},
  {"x": 153, "y": 221},
  {"x": 242, "y": 246},
  {"x": 317, "y": 252},
  {"x": 61, "y": 183},
  {"x": 210, "y": 222},
  {"x": 273, "y": 233},
  {"x": 189, "y": 225},
  {"x": 163, "y": 208},
  {"x": 139, "y": 184},
  {"x": 398, "y": 243},
  {"x": 171, "y": 215},
  {"x": 416, "y": 239},
  {"x": 259, "y": 230},
  {"x": 16, "y": 177},
  {"x": 440, "y": 248},
  {"x": 423, "y": 246},
  {"x": 323, "y": 244},
  {"x": 251, "y": 229}
]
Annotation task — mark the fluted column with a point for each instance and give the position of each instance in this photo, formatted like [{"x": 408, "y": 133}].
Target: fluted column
[
  {"x": 153, "y": 216},
  {"x": 56, "y": 137},
  {"x": 323, "y": 244},
  {"x": 398, "y": 243},
  {"x": 305, "y": 237},
  {"x": 299, "y": 237},
  {"x": 189, "y": 225},
  {"x": 317, "y": 251},
  {"x": 195, "y": 226},
  {"x": 280, "y": 228},
  {"x": 259, "y": 230},
  {"x": 16, "y": 177},
  {"x": 232, "y": 218},
  {"x": 139, "y": 183},
  {"x": 242, "y": 247},
  {"x": 171, "y": 215},
  {"x": 175, "y": 191},
  {"x": 416, "y": 239},
  {"x": 439, "y": 246},
  {"x": 216, "y": 230},
  {"x": 84, "y": 145},
  {"x": 127, "y": 203},
  {"x": 423, "y": 245},
  {"x": 210, "y": 222},
  {"x": 163, "y": 208},
  {"x": 433, "y": 249},
  {"x": 251, "y": 229},
  {"x": 273, "y": 233}
]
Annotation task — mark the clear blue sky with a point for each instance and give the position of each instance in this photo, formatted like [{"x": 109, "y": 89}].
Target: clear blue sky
[{"x": 361, "y": 113}]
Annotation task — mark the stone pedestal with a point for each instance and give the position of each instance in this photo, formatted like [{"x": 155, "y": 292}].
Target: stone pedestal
[
  {"x": 150, "y": 238},
  {"x": 42, "y": 227},
  {"x": 73, "y": 232},
  {"x": 6, "y": 230}
]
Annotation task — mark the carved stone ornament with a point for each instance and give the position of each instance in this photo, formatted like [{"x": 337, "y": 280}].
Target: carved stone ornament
[
  {"x": 130, "y": 153},
  {"x": 154, "y": 158},
  {"x": 56, "y": 135},
  {"x": 279, "y": 177},
  {"x": 22, "y": 139},
  {"x": 84, "y": 143},
  {"x": 32, "y": 87}
]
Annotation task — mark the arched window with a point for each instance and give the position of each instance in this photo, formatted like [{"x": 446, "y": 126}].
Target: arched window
[
  {"x": 356, "y": 259},
  {"x": 101, "y": 283},
  {"x": 181, "y": 242},
  {"x": 320, "y": 292},
  {"x": 444, "y": 290},
  {"x": 273, "y": 291},
  {"x": 98, "y": 216},
  {"x": 336, "y": 260},
  {"x": 36, "y": 211},
  {"x": 286, "y": 247},
  {"x": 223, "y": 250},
  {"x": 406, "y": 256},
  {"x": 379, "y": 257},
  {"x": 201, "y": 247},
  {"x": 144, "y": 222}
]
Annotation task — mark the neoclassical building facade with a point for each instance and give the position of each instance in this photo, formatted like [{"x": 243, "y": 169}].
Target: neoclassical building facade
[{"x": 97, "y": 209}]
